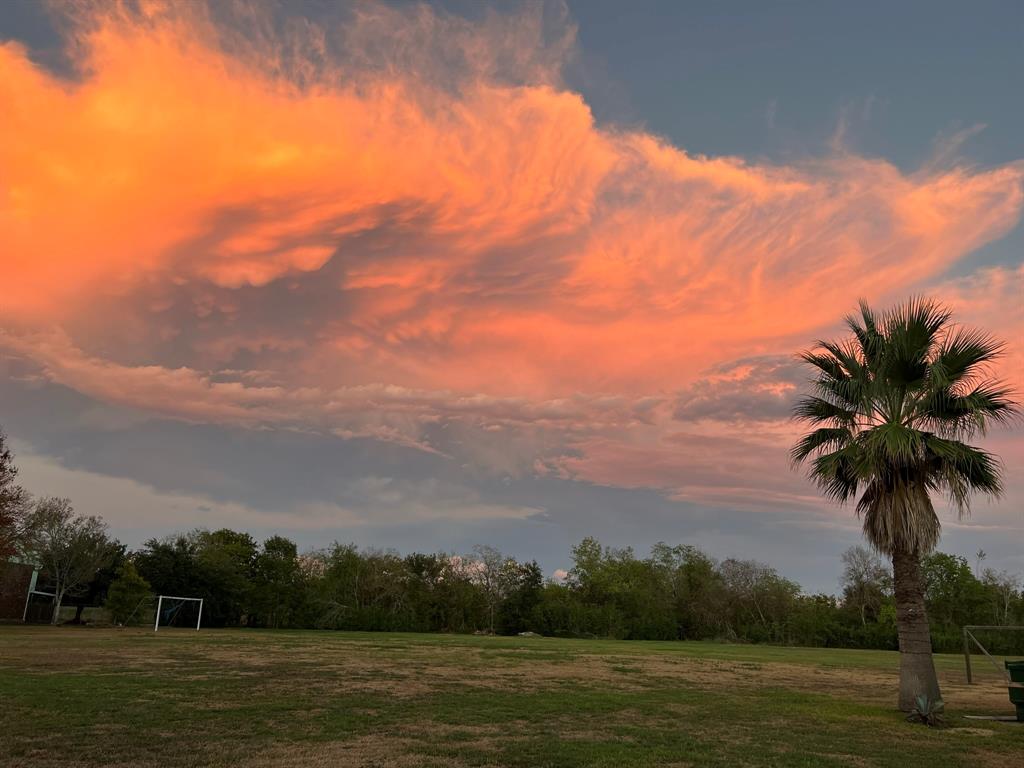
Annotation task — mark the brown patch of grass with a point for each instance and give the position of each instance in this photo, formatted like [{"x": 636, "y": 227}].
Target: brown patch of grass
[
  {"x": 383, "y": 750},
  {"x": 995, "y": 760},
  {"x": 973, "y": 731}
]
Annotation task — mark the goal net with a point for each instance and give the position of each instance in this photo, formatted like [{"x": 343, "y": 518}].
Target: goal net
[{"x": 172, "y": 611}]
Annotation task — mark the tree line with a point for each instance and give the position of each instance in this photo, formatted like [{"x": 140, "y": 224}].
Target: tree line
[{"x": 675, "y": 592}]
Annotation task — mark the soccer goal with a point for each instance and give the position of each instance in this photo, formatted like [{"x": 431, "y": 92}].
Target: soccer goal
[
  {"x": 172, "y": 611},
  {"x": 971, "y": 639}
]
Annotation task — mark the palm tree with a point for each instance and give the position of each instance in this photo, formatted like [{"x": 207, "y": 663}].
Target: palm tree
[{"x": 893, "y": 407}]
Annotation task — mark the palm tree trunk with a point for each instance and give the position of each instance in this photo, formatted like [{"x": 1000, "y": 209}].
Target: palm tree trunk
[{"x": 917, "y": 669}]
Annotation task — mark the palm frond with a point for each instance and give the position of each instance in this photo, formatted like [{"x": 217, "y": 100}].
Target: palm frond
[
  {"x": 960, "y": 470},
  {"x": 962, "y": 416},
  {"x": 838, "y": 474},
  {"x": 912, "y": 332},
  {"x": 847, "y": 354},
  {"x": 818, "y": 410},
  {"x": 842, "y": 378},
  {"x": 849, "y": 394},
  {"x": 865, "y": 329},
  {"x": 893, "y": 443},
  {"x": 826, "y": 364},
  {"x": 821, "y": 439},
  {"x": 915, "y": 323},
  {"x": 961, "y": 353}
]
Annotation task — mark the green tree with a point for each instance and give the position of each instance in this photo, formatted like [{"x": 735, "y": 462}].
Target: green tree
[
  {"x": 13, "y": 501},
  {"x": 170, "y": 566},
  {"x": 495, "y": 575},
  {"x": 225, "y": 559},
  {"x": 1004, "y": 593},
  {"x": 339, "y": 587},
  {"x": 865, "y": 582},
  {"x": 214, "y": 565},
  {"x": 126, "y": 594},
  {"x": 71, "y": 549},
  {"x": 423, "y": 588},
  {"x": 525, "y": 583},
  {"x": 277, "y": 582},
  {"x": 596, "y": 581},
  {"x": 462, "y": 603},
  {"x": 953, "y": 594},
  {"x": 695, "y": 589},
  {"x": 95, "y": 592},
  {"x": 758, "y": 600},
  {"x": 892, "y": 409}
]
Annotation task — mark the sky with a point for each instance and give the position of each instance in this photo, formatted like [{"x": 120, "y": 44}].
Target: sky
[{"x": 430, "y": 276}]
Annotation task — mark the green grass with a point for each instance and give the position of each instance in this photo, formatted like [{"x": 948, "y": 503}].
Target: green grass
[{"x": 90, "y": 697}]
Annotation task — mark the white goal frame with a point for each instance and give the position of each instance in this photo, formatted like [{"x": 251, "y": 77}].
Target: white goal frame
[{"x": 160, "y": 602}]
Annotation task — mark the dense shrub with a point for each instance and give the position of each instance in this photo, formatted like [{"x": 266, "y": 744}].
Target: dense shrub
[
  {"x": 677, "y": 592},
  {"x": 126, "y": 596}
]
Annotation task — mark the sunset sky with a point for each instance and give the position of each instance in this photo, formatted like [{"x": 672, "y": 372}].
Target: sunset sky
[{"x": 428, "y": 276}]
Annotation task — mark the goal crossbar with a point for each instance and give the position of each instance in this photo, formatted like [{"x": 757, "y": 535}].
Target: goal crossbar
[
  {"x": 160, "y": 603},
  {"x": 969, "y": 637}
]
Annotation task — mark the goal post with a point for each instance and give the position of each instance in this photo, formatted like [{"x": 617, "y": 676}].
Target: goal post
[
  {"x": 176, "y": 604},
  {"x": 969, "y": 639}
]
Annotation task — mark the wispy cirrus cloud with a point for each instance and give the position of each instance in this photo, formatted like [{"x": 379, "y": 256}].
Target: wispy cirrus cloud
[{"x": 403, "y": 225}]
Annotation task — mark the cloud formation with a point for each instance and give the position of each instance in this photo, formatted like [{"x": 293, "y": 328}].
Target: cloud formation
[{"x": 403, "y": 225}]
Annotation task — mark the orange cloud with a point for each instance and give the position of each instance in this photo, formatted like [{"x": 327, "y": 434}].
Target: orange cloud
[
  {"x": 289, "y": 228},
  {"x": 725, "y": 440}
]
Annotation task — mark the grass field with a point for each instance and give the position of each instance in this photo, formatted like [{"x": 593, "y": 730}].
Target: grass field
[{"x": 91, "y": 697}]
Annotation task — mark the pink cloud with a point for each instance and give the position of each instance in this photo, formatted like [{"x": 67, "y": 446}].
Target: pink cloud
[{"x": 415, "y": 224}]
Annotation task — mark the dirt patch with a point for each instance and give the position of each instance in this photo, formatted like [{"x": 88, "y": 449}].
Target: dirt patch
[
  {"x": 991, "y": 760},
  {"x": 869, "y": 686},
  {"x": 373, "y": 751},
  {"x": 852, "y": 760},
  {"x": 973, "y": 731},
  {"x": 401, "y": 747}
]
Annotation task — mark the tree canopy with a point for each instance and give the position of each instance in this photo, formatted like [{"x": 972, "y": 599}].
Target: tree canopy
[{"x": 13, "y": 501}]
